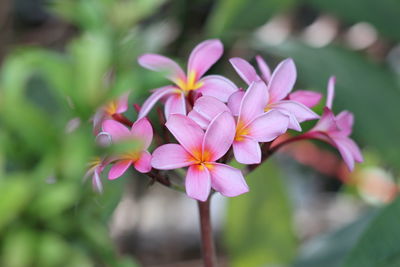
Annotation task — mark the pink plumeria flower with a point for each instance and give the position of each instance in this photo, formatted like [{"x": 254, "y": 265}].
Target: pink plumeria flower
[
  {"x": 140, "y": 158},
  {"x": 253, "y": 124},
  {"x": 203, "y": 56},
  {"x": 96, "y": 167},
  {"x": 280, "y": 84},
  {"x": 336, "y": 130},
  {"x": 112, "y": 108},
  {"x": 199, "y": 151}
]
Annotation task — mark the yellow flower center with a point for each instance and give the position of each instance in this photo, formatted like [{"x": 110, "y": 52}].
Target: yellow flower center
[
  {"x": 190, "y": 84},
  {"x": 241, "y": 131},
  {"x": 111, "y": 108},
  {"x": 202, "y": 158}
]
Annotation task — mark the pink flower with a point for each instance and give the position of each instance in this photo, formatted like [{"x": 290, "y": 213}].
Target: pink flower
[
  {"x": 336, "y": 130},
  {"x": 203, "y": 56},
  {"x": 253, "y": 124},
  {"x": 112, "y": 108},
  {"x": 140, "y": 158},
  {"x": 96, "y": 167},
  {"x": 199, "y": 151},
  {"x": 280, "y": 84}
]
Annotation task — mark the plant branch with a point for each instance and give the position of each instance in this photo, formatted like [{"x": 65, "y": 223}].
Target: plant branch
[{"x": 207, "y": 242}]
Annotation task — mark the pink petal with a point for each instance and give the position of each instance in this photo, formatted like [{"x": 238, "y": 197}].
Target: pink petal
[
  {"x": 143, "y": 131},
  {"x": 175, "y": 104},
  {"x": 143, "y": 164},
  {"x": 209, "y": 107},
  {"x": 122, "y": 103},
  {"x": 305, "y": 97},
  {"x": 219, "y": 136},
  {"x": 198, "y": 182},
  {"x": 103, "y": 139},
  {"x": 268, "y": 126},
  {"x": 331, "y": 92},
  {"x": 282, "y": 80},
  {"x": 245, "y": 70},
  {"x": 247, "y": 151},
  {"x": 187, "y": 132},
  {"x": 117, "y": 130},
  {"x": 96, "y": 182},
  {"x": 199, "y": 119},
  {"x": 301, "y": 112},
  {"x": 345, "y": 152},
  {"x": 327, "y": 123},
  {"x": 218, "y": 87},
  {"x": 344, "y": 121},
  {"x": 293, "y": 123},
  {"x": 171, "y": 156},
  {"x": 234, "y": 102},
  {"x": 253, "y": 103},
  {"x": 227, "y": 180},
  {"x": 154, "y": 97},
  {"x": 354, "y": 149},
  {"x": 204, "y": 55},
  {"x": 98, "y": 120},
  {"x": 263, "y": 67},
  {"x": 164, "y": 65},
  {"x": 119, "y": 168}
]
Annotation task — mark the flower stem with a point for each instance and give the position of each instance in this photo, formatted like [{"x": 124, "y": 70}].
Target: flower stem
[{"x": 208, "y": 248}]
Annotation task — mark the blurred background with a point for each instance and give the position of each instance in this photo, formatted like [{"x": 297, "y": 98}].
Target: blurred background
[{"x": 61, "y": 60}]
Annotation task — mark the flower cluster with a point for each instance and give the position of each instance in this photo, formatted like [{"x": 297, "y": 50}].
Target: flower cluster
[{"x": 214, "y": 121}]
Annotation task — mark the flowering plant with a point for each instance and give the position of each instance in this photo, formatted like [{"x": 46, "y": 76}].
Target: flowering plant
[{"x": 214, "y": 122}]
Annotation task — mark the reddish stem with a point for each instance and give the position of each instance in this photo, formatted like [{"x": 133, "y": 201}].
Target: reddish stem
[
  {"x": 207, "y": 242},
  {"x": 122, "y": 119}
]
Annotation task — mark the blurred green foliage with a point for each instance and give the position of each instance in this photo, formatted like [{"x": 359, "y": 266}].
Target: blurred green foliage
[
  {"x": 47, "y": 218},
  {"x": 259, "y": 228}
]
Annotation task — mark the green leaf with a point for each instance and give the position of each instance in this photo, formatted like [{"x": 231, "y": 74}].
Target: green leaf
[
  {"x": 331, "y": 249},
  {"x": 231, "y": 18},
  {"x": 15, "y": 194},
  {"x": 363, "y": 87},
  {"x": 258, "y": 227},
  {"x": 379, "y": 245},
  {"x": 383, "y": 14}
]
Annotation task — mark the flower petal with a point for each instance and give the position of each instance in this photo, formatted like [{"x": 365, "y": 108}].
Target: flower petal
[
  {"x": 345, "y": 152},
  {"x": 164, "y": 65},
  {"x": 175, "y": 104},
  {"x": 198, "y": 182},
  {"x": 96, "y": 182},
  {"x": 119, "y": 168},
  {"x": 344, "y": 121},
  {"x": 301, "y": 112},
  {"x": 247, "y": 151},
  {"x": 219, "y": 136},
  {"x": 117, "y": 130},
  {"x": 187, "y": 132},
  {"x": 245, "y": 70},
  {"x": 122, "y": 103},
  {"x": 171, "y": 156},
  {"x": 154, "y": 97},
  {"x": 327, "y": 123},
  {"x": 234, "y": 102},
  {"x": 209, "y": 107},
  {"x": 331, "y": 92},
  {"x": 227, "y": 180},
  {"x": 217, "y": 86},
  {"x": 143, "y": 164},
  {"x": 204, "y": 55},
  {"x": 199, "y": 119},
  {"x": 253, "y": 103},
  {"x": 282, "y": 80},
  {"x": 263, "y": 67},
  {"x": 268, "y": 126},
  {"x": 143, "y": 131},
  {"x": 306, "y": 97}
]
